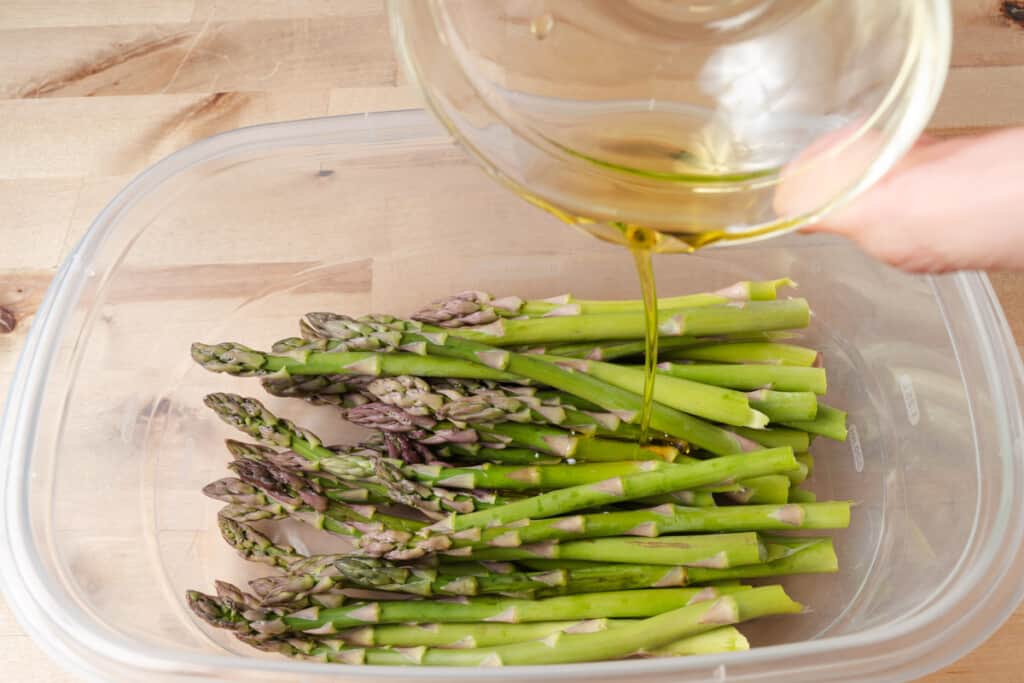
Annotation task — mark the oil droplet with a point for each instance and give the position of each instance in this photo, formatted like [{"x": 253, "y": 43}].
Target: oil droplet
[{"x": 541, "y": 26}]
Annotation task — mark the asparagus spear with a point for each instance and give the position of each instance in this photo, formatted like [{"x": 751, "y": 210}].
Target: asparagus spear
[
  {"x": 247, "y": 503},
  {"x": 725, "y": 639},
  {"x": 716, "y": 550},
  {"x": 625, "y": 404},
  {"x": 621, "y": 489},
  {"x": 540, "y": 477},
  {"x": 367, "y": 529},
  {"x": 543, "y": 438},
  {"x": 461, "y": 636},
  {"x": 608, "y": 450},
  {"x": 776, "y": 437},
  {"x": 321, "y": 573},
  {"x": 269, "y": 469},
  {"x": 799, "y": 476},
  {"x": 338, "y": 390},
  {"x": 664, "y": 519},
  {"x": 830, "y": 422},
  {"x": 772, "y": 353},
  {"x": 703, "y": 400},
  {"x": 801, "y": 496},
  {"x": 735, "y": 317},
  {"x": 254, "y": 546},
  {"x": 478, "y": 308},
  {"x": 689, "y": 498},
  {"x": 470, "y": 402},
  {"x": 612, "y": 350},
  {"x": 236, "y": 359},
  {"x": 329, "y": 574},
  {"x": 258, "y": 465},
  {"x": 769, "y": 489},
  {"x": 587, "y": 450},
  {"x": 802, "y": 556},
  {"x": 273, "y": 622},
  {"x": 501, "y": 456},
  {"x": 656, "y": 631},
  {"x": 360, "y": 464},
  {"x": 784, "y": 406},
  {"x": 751, "y": 377}
]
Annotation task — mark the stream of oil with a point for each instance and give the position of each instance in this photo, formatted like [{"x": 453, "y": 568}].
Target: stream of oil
[{"x": 641, "y": 241}]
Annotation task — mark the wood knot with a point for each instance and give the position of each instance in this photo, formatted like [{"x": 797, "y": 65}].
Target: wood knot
[
  {"x": 7, "y": 320},
  {"x": 1013, "y": 11}
]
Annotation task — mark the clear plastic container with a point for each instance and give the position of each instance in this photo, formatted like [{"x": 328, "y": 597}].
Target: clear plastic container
[{"x": 105, "y": 442}]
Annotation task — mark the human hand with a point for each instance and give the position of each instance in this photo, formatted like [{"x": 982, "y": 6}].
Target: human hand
[{"x": 954, "y": 204}]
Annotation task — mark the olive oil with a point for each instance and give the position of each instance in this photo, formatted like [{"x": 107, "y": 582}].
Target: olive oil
[{"x": 641, "y": 240}]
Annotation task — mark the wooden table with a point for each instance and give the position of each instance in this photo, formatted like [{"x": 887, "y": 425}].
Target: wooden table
[{"x": 93, "y": 91}]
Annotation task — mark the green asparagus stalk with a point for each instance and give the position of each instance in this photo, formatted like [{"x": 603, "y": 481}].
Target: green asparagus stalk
[
  {"x": 247, "y": 503},
  {"x": 735, "y": 317},
  {"x": 703, "y": 400},
  {"x": 716, "y": 550},
  {"x": 613, "y": 350},
  {"x": 799, "y": 476},
  {"x": 784, "y": 406},
  {"x": 343, "y": 391},
  {"x": 323, "y": 573},
  {"x": 317, "y": 577},
  {"x": 254, "y": 546},
  {"x": 771, "y": 353},
  {"x": 358, "y": 464},
  {"x": 830, "y": 422},
  {"x": 292, "y": 479},
  {"x": 470, "y": 402},
  {"x": 363, "y": 464},
  {"x": 502, "y": 456},
  {"x": 327, "y": 575},
  {"x": 688, "y": 498},
  {"x": 542, "y": 438},
  {"x": 587, "y": 450},
  {"x": 664, "y": 519},
  {"x": 801, "y": 496},
  {"x": 625, "y": 404},
  {"x": 751, "y": 377},
  {"x": 776, "y": 437},
  {"x": 459, "y": 635},
  {"x": 725, "y": 639},
  {"x": 534, "y": 477},
  {"x": 769, "y": 489},
  {"x": 657, "y": 631},
  {"x": 799, "y": 556},
  {"x": 322, "y": 622},
  {"x": 239, "y": 360},
  {"x": 477, "y": 308},
  {"x": 621, "y": 489}
]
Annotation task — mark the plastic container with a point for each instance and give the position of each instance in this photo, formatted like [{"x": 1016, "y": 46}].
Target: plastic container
[{"x": 105, "y": 442}]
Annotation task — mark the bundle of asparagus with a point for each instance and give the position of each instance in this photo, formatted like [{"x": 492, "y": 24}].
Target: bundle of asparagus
[{"x": 507, "y": 508}]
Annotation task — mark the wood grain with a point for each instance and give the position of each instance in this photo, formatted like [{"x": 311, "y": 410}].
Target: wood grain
[{"x": 93, "y": 91}]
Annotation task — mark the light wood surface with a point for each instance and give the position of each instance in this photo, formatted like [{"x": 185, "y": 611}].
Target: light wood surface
[{"x": 93, "y": 91}]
